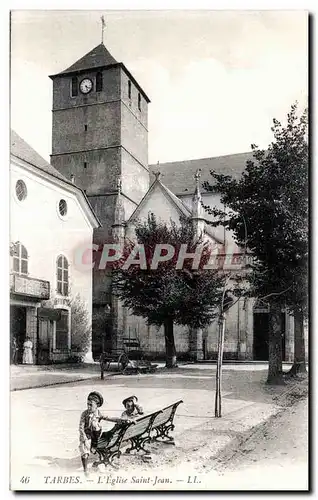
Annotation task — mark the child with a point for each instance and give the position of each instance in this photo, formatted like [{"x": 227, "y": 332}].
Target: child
[
  {"x": 133, "y": 410},
  {"x": 90, "y": 428}
]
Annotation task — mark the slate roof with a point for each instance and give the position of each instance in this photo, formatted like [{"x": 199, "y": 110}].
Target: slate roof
[
  {"x": 182, "y": 207},
  {"x": 178, "y": 175},
  {"x": 23, "y": 150},
  {"x": 97, "y": 57}
]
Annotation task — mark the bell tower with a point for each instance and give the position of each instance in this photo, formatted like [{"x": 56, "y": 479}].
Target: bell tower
[
  {"x": 100, "y": 132},
  {"x": 100, "y": 135}
]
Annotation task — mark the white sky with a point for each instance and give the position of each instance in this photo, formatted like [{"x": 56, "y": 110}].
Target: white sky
[{"x": 215, "y": 78}]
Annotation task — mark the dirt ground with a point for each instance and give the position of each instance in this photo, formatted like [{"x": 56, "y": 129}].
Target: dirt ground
[{"x": 46, "y": 419}]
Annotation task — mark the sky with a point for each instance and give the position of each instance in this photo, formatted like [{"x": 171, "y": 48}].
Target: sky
[{"x": 216, "y": 79}]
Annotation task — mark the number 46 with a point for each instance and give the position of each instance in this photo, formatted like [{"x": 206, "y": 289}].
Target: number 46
[{"x": 25, "y": 479}]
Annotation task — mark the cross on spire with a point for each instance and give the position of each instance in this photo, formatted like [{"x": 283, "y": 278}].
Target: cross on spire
[{"x": 103, "y": 27}]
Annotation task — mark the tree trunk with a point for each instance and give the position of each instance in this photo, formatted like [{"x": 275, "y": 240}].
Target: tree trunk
[
  {"x": 275, "y": 362},
  {"x": 171, "y": 355},
  {"x": 218, "y": 390},
  {"x": 299, "y": 365}
]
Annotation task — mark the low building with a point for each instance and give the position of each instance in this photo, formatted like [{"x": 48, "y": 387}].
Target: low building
[{"x": 50, "y": 218}]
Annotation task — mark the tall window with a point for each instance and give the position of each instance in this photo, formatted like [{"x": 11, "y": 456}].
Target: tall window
[
  {"x": 62, "y": 275},
  {"x": 99, "y": 82},
  {"x": 20, "y": 259},
  {"x": 74, "y": 87},
  {"x": 61, "y": 332},
  {"x": 129, "y": 89},
  {"x": 139, "y": 101}
]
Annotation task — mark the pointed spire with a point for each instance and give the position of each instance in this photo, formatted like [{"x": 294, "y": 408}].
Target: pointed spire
[
  {"x": 119, "y": 216},
  {"x": 197, "y": 177},
  {"x": 97, "y": 57},
  {"x": 197, "y": 209}
]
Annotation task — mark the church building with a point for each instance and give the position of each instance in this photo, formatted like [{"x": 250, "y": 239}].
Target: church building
[{"x": 100, "y": 136}]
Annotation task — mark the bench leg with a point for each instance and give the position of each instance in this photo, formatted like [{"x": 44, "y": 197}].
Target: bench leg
[
  {"x": 163, "y": 432},
  {"x": 106, "y": 458},
  {"x": 138, "y": 444},
  {"x": 111, "y": 457}
]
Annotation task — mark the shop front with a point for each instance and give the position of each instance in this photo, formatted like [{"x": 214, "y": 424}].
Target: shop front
[{"x": 26, "y": 296}]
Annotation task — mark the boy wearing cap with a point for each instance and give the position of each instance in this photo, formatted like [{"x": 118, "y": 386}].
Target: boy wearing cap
[
  {"x": 133, "y": 409},
  {"x": 90, "y": 428}
]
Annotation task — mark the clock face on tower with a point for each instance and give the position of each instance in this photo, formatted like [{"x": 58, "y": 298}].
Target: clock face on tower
[{"x": 86, "y": 86}]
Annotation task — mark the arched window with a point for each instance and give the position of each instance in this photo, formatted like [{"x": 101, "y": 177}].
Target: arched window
[
  {"x": 139, "y": 101},
  {"x": 62, "y": 275},
  {"x": 99, "y": 82},
  {"x": 129, "y": 89},
  {"x": 20, "y": 259},
  {"x": 74, "y": 87}
]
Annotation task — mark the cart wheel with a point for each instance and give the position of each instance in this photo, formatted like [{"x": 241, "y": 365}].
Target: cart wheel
[{"x": 123, "y": 361}]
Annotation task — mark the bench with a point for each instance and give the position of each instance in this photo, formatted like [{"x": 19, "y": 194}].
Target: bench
[
  {"x": 137, "y": 434},
  {"x": 163, "y": 423}
]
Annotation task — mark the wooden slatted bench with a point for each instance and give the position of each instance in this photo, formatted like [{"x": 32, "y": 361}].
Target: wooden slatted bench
[
  {"x": 137, "y": 434},
  {"x": 163, "y": 423}
]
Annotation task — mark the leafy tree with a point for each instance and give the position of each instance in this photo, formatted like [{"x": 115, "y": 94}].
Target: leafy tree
[
  {"x": 270, "y": 203},
  {"x": 80, "y": 325},
  {"x": 168, "y": 295}
]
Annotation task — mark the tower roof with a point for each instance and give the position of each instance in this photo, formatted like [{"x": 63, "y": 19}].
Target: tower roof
[
  {"x": 99, "y": 57},
  {"x": 96, "y": 58}
]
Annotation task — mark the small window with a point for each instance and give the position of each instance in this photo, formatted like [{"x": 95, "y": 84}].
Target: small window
[
  {"x": 139, "y": 101},
  {"x": 74, "y": 89},
  {"x": 20, "y": 259},
  {"x": 85, "y": 164},
  {"x": 21, "y": 190},
  {"x": 85, "y": 128},
  {"x": 129, "y": 89},
  {"x": 99, "y": 82},
  {"x": 61, "y": 332},
  {"x": 62, "y": 275},
  {"x": 63, "y": 207}
]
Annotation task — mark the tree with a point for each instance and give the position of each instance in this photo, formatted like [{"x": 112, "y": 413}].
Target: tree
[
  {"x": 271, "y": 199},
  {"x": 168, "y": 295},
  {"x": 80, "y": 325}
]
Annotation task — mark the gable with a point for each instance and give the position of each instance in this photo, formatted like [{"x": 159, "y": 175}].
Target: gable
[{"x": 158, "y": 202}]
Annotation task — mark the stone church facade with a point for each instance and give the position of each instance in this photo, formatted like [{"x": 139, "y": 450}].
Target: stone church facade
[{"x": 100, "y": 137}]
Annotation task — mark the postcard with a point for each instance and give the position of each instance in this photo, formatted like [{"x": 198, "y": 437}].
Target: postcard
[{"x": 159, "y": 250}]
